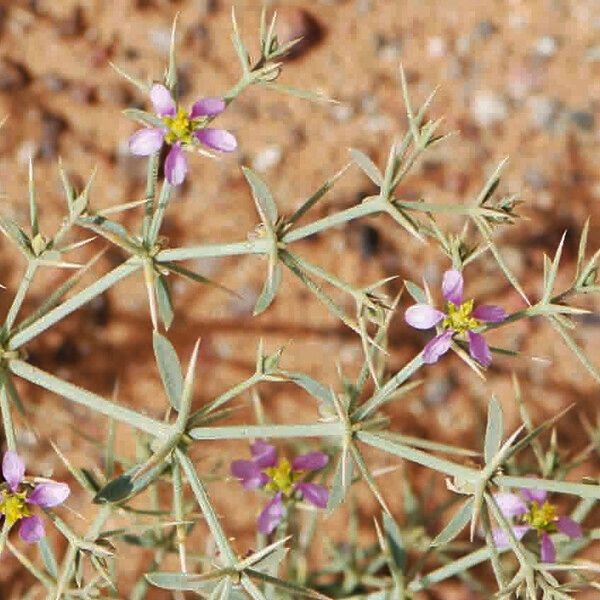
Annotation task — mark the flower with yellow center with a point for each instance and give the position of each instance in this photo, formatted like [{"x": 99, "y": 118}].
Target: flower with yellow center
[
  {"x": 181, "y": 129},
  {"x": 541, "y": 518},
  {"x": 460, "y": 319},
  {"x": 282, "y": 477}
]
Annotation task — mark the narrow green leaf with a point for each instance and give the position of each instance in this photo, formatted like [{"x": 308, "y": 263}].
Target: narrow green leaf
[
  {"x": 164, "y": 301},
  {"x": 416, "y": 292},
  {"x": 494, "y": 429},
  {"x": 263, "y": 199},
  {"x": 171, "y": 75},
  {"x": 367, "y": 166},
  {"x": 341, "y": 481},
  {"x": 143, "y": 117},
  {"x": 272, "y": 283},
  {"x": 140, "y": 85},
  {"x": 456, "y": 524},
  {"x": 395, "y": 541},
  {"x": 169, "y": 368}
]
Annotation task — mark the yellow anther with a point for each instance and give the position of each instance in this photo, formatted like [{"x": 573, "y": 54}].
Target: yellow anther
[
  {"x": 14, "y": 507},
  {"x": 180, "y": 128},
  {"x": 542, "y": 518},
  {"x": 282, "y": 478},
  {"x": 459, "y": 318}
]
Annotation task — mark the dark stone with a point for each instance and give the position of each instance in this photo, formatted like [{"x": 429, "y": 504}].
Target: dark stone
[
  {"x": 294, "y": 23},
  {"x": 74, "y": 25},
  {"x": 583, "y": 119},
  {"x": 53, "y": 126},
  {"x": 370, "y": 241},
  {"x": 14, "y": 76}
]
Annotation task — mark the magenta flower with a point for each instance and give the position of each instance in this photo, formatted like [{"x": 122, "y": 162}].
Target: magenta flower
[
  {"x": 533, "y": 512},
  {"x": 181, "y": 130},
  {"x": 18, "y": 495},
  {"x": 283, "y": 479},
  {"x": 460, "y": 319}
]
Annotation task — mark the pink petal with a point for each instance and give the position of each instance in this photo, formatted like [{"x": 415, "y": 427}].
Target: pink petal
[
  {"x": 13, "y": 469},
  {"x": 31, "y": 529},
  {"x": 49, "y": 494},
  {"x": 162, "y": 101},
  {"x": 423, "y": 316},
  {"x": 217, "y": 139},
  {"x": 569, "y": 527},
  {"x": 532, "y": 495},
  {"x": 310, "y": 462},
  {"x": 249, "y": 474},
  {"x": 452, "y": 286},
  {"x": 548, "y": 551},
  {"x": 271, "y": 515},
  {"x": 479, "y": 349},
  {"x": 313, "y": 493},
  {"x": 208, "y": 107},
  {"x": 501, "y": 539},
  {"x": 436, "y": 347},
  {"x": 263, "y": 454},
  {"x": 176, "y": 165},
  {"x": 146, "y": 141},
  {"x": 510, "y": 505},
  {"x": 489, "y": 313}
]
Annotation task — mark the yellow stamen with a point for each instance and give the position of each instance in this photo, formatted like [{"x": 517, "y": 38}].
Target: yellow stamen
[
  {"x": 459, "y": 318},
  {"x": 180, "y": 128},
  {"x": 14, "y": 507},
  {"x": 282, "y": 478},
  {"x": 542, "y": 518}
]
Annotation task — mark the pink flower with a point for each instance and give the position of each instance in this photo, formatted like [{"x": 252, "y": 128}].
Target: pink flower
[
  {"x": 265, "y": 472},
  {"x": 18, "y": 496},
  {"x": 460, "y": 318},
  {"x": 532, "y": 511},
  {"x": 181, "y": 129}
]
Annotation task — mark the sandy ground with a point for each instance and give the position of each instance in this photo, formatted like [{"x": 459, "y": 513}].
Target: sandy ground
[{"x": 516, "y": 78}]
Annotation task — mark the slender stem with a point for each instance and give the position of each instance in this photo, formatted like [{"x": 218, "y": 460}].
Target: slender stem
[
  {"x": 209, "y": 514},
  {"x": 9, "y": 430},
  {"x": 418, "y": 456},
  {"x": 582, "y": 490},
  {"x": 259, "y": 246},
  {"x": 242, "y": 432},
  {"x": 75, "y": 302},
  {"x": 93, "y": 401},
  {"x": 383, "y": 393},
  {"x": 178, "y": 513},
  {"x": 368, "y": 207},
  {"x": 67, "y": 564},
  {"x": 37, "y": 573},
  {"x": 152, "y": 175},
  {"x": 20, "y": 295},
  {"x": 159, "y": 215}
]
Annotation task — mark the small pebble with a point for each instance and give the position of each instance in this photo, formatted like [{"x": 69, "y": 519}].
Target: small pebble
[
  {"x": 546, "y": 46},
  {"x": 53, "y": 82},
  {"x": 544, "y": 111},
  {"x": 436, "y": 47},
  {"x": 436, "y": 390},
  {"x": 160, "y": 38},
  {"x": 583, "y": 119},
  {"x": 293, "y": 23},
  {"x": 267, "y": 158},
  {"x": 488, "y": 108},
  {"x": 484, "y": 29}
]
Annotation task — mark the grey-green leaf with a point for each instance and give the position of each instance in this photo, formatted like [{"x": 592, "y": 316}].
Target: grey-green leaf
[
  {"x": 169, "y": 368},
  {"x": 456, "y": 525},
  {"x": 262, "y": 196},
  {"x": 494, "y": 429}
]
